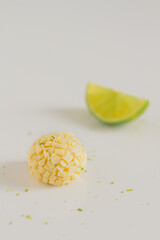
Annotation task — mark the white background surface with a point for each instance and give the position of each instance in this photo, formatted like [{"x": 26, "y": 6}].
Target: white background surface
[{"x": 49, "y": 50}]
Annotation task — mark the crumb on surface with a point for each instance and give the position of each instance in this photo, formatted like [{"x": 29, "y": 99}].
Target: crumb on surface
[
  {"x": 27, "y": 216},
  {"x": 26, "y": 190},
  {"x": 112, "y": 182},
  {"x": 129, "y": 190},
  {"x": 80, "y": 209},
  {"x": 17, "y": 194}
]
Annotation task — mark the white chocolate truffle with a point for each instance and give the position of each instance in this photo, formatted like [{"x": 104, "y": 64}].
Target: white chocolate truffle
[{"x": 57, "y": 158}]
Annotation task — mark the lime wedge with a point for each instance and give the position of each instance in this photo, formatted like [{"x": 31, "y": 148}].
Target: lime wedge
[{"x": 113, "y": 107}]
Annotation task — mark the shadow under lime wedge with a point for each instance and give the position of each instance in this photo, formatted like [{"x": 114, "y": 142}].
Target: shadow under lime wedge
[{"x": 112, "y": 107}]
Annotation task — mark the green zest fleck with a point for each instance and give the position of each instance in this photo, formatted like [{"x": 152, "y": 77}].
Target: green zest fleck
[
  {"x": 89, "y": 159},
  {"x": 82, "y": 168},
  {"x": 10, "y": 223},
  {"x": 112, "y": 182},
  {"x": 122, "y": 191},
  {"x": 53, "y": 137},
  {"x": 99, "y": 181},
  {"x": 17, "y": 194},
  {"x": 85, "y": 170},
  {"x": 46, "y": 223},
  {"x": 148, "y": 204},
  {"x": 7, "y": 190},
  {"x": 65, "y": 201},
  {"x": 116, "y": 199},
  {"x": 96, "y": 196},
  {"x": 26, "y": 190},
  {"x": 41, "y": 143},
  {"x": 129, "y": 190},
  {"x": 27, "y": 216},
  {"x": 80, "y": 209}
]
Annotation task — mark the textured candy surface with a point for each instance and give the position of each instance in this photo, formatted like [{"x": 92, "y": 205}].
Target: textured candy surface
[{"x": 57, "y": 158}]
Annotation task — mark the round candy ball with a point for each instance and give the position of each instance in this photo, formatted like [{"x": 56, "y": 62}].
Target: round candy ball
[{"x": 57, "y": 158}]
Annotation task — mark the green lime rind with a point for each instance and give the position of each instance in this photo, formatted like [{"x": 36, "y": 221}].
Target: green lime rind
[{"x": 134, "y": 114}]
